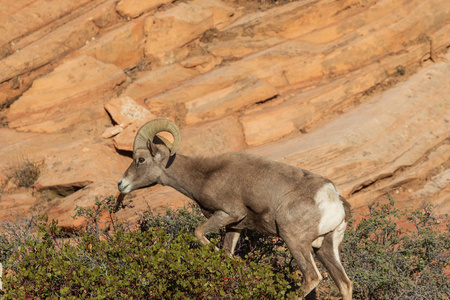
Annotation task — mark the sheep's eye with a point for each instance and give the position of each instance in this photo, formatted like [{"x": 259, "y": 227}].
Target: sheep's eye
[{"x": 141, "y": 160}]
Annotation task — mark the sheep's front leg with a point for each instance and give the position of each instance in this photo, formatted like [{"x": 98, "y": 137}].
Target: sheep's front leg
[{"x": 218, "y": 220}]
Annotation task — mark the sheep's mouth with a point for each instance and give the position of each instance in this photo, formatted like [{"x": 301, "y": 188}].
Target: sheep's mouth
[
  {"x": 128, "y": 188},
  {"x": 125, "y": 189}
]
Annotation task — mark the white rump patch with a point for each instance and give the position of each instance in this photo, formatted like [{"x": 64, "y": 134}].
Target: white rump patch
[{"x": 331, "y": 207}]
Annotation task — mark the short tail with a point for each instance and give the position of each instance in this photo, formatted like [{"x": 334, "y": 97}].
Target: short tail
[{"x": 347, "y": 208}]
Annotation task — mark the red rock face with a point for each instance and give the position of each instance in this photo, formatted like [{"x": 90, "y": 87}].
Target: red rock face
[{"x": 354, "y": 90}]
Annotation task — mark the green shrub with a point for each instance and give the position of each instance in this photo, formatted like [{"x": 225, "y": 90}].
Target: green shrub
[
  {"x": 14, "y": 235},
  {"x": 173, "y": 221},
  {"x": 159, "y": 261},
  {"x": 134, "y": 265},
  {"x": 386, "y": 260},
  {"x": 162, "y": 260},
  {"x": 95, "y": 225}
]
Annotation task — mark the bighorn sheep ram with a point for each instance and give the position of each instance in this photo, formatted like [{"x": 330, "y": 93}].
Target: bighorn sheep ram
[{"x": 239, "y": 190}]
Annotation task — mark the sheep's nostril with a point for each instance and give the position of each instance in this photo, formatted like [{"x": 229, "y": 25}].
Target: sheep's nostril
[{"x": 119, "y": 183}]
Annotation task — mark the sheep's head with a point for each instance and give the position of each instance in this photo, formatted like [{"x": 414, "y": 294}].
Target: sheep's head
[{"x": 151, "y": 155}]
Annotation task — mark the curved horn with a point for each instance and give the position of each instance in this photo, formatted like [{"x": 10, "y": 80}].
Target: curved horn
[{"x": 148, "y": 131}]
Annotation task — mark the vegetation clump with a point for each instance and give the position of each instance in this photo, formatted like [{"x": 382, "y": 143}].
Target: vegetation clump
[
  {"x": 389, "y": 254},
  {"x": 25, "y": 172},
  {"x": 153, "y": 262},
  {"x": 392, "y": 254}
]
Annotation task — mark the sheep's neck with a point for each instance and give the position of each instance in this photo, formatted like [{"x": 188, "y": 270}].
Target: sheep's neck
[{"x": 186, "y": 175}]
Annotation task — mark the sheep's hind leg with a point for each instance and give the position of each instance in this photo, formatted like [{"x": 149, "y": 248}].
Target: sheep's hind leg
[
  {"x": 328, "y": 254},
  {"x": 302, "y": 253},
  {"x": 218, "y": 220}
]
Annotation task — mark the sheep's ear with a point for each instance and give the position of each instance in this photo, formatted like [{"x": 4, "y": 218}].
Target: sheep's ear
[{"x": 152, "y": 148}]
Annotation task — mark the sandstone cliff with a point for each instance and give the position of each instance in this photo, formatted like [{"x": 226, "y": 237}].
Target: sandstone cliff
[{"x": 357, "y": 91}]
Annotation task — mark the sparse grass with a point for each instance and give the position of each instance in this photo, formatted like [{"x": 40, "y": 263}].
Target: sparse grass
[{"x": 25, "y": 172}]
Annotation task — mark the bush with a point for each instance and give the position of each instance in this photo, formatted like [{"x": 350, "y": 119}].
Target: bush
[
  {"x": 25, "y": 173},
  {"x": 386, "y": 260},
  {"x": 185, "y": 219},
  {"x": 156, "y": 263},
  {"x": 162, "y": 260}
]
